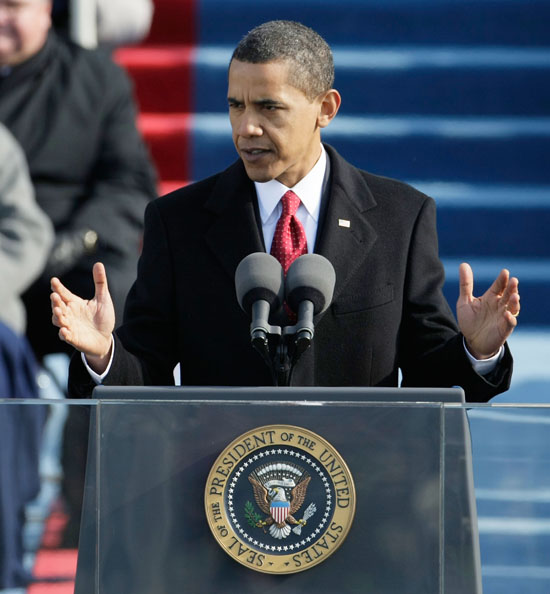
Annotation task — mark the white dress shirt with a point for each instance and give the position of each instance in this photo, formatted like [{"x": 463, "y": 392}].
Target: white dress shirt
[{"x": 309, "y": 189}]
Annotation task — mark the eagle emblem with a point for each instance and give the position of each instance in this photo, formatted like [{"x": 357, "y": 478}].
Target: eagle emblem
[{"x": 280, "y": 491}]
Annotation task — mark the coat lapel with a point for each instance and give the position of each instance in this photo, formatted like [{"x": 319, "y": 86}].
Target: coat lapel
[
  {"x": 346, "y": 236},
  {"x": 235, "y": 232}
]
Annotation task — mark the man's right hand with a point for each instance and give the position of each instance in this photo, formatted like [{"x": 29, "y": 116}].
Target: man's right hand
[{"x": 87, "y": 325}]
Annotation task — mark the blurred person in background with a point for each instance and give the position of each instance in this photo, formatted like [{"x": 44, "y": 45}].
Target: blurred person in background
[
  {"x": 72, "y": 111},
  {"x": 119, "y": 22},
  {"x": 26, "y": 236},
  {"x": 26, "y": 233}
]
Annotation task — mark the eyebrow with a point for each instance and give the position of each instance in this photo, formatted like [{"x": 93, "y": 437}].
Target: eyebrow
[{"x": 260, "y": 102}]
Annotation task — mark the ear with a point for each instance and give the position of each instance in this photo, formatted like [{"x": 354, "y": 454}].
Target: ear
[{"x": 330, "y": 104}]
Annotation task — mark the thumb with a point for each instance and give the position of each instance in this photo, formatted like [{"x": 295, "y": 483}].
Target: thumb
[
  {"x": 466, "y": 280},
  {"x": 100, "y": 282}
]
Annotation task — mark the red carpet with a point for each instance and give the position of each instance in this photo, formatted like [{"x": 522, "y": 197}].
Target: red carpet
[
  {"x": 162, "y": 76},
  {"x": 54, "y": 568},
  {"x": 54, "y": 571},
  {"x": 168, "y": 138},
  {"x": 162, "y": 71}
]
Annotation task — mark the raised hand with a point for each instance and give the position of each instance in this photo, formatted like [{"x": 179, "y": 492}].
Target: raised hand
[
  {"x": 87, "y": 325},
  {"x": 487, "y": 321}
]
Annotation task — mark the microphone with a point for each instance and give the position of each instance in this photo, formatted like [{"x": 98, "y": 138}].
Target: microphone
[
  {"x": 309, "y": 289},
  {"x": 259, "y": 283}
]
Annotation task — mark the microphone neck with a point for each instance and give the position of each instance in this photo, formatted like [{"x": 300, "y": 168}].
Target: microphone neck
[
  {"x": 304, "y": 325},
  {"x": 260, "y": 317}
]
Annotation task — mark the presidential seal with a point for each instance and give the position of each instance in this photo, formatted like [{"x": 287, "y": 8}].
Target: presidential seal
[{"x": 280, "y": 499}]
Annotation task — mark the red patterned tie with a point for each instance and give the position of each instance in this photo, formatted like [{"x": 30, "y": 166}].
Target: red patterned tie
[{"x": 289, "y": 240}]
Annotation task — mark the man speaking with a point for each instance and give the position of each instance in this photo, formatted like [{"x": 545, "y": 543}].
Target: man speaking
[{"x": 288, "y": 194}]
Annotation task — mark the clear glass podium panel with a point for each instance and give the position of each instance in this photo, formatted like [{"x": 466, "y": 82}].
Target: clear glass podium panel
[
  {"x": 511, "y": 463},
  {"x": 36, "y": 501},
  {"x": 446, "y": 495},
  {"x": 151, "y": 533}
]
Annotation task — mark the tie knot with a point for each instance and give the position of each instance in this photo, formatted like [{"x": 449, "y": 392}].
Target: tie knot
[{"x": 291, "y": 202}]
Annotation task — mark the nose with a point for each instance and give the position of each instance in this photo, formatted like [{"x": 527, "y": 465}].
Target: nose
[{"x": 248, "y": 124}]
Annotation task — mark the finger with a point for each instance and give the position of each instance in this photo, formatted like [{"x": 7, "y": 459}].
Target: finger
[
  {"x": 466, "y": 280},
  {"x": 58, "y": 287},
  {"x": 57, "y": 301},
  {"x": 56, "y": 317},
  {"x": 513, "y": 286},
  {"x": 511, "y": 297},
  {"x": 100, "y": 281},
  {"x": 510, "y": 289},
  {"x": 500, "y": 284},
  {"x": 511, "y": 318},
  {"x": 65, "y": 335},
  {"x": 59, "y": 313}
]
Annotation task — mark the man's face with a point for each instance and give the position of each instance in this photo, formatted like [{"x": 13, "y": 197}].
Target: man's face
[
  {"x": 24, "y": 26},
  {"x": 276, "y": 128}
]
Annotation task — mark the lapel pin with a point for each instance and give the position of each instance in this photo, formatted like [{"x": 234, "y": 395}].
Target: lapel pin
[{"x": 344, "y": 223}]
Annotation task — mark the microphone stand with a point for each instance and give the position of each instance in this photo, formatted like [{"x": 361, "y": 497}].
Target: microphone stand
[
  {"x": 281, "y": 349},
  {"x": 264, "y": 337}
]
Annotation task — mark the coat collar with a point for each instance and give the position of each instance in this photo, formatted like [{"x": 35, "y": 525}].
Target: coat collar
[{"x": 345, "y": 236}]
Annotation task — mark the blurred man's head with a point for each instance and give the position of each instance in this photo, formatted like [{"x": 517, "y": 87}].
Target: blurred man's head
[{"x": 24, "y": 26}]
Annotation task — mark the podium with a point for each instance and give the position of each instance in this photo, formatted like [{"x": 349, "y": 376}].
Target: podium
[{"x": 145, "y": 529}]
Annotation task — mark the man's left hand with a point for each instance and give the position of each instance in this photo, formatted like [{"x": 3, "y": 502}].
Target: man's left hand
[{"x": 487, "y": 321}]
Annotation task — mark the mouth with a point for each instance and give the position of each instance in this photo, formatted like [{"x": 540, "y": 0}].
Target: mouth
[{"x": 253, "y": 154}]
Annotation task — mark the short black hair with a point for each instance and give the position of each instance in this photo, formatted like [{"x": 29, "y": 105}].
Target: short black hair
[{"x": 310, "y": 54}]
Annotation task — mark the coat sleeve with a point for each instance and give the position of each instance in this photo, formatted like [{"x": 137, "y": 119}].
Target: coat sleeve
[
  {"x": 26, "y": 233},
  {"x": 145, "y": 344},
  {"x": 431, "y": 347}
]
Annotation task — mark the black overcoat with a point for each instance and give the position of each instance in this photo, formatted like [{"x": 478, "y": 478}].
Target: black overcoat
[{"x": 388, "y": 311}]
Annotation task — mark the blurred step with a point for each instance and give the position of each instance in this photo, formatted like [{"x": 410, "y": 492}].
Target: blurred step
[
  {"x": 513, "y": 578},
  {"x": 515, "y": 22},
  {"x": 476, "y": 219},
  {"x": 514, "y": 541},
  {"x": 534, "y": 283},
  {"x": 411, "y": 80},
  {"x": 520, "y": 233},
  {"x": 474, "y": 150},
  {"x": 168, "y": 138},
  {"x": 162, "y": 76}
]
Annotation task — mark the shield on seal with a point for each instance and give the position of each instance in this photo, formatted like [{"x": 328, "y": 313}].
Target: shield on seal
[{"x": 279, "y": 510}]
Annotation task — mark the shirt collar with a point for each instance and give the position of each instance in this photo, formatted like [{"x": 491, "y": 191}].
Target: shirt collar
[{"x": 308, "y": 189}]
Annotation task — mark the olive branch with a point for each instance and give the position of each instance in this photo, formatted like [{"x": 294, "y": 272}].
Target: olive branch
[{"x": 252, "y": 517}]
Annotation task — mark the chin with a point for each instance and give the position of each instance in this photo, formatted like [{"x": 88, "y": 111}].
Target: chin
[{"x": 258, "y": 176}]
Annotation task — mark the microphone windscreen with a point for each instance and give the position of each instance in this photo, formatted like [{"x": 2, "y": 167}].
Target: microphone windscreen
[
  {"x": 310, "y": 277},
  {"x": 259, "y": 276}
]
